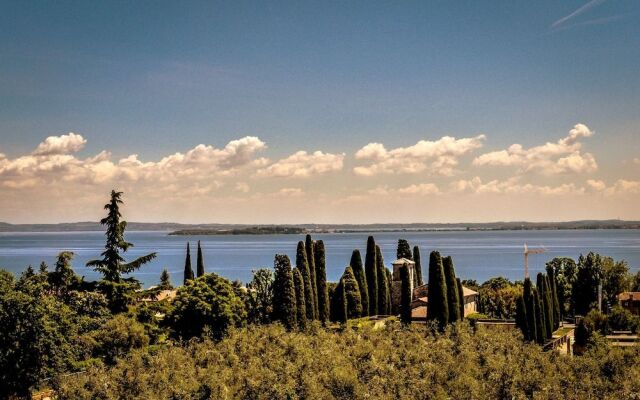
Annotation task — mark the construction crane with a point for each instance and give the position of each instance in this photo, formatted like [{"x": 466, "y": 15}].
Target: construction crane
[{"x": 528, "y": 251}]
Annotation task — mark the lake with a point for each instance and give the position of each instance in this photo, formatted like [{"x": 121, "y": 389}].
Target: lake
[{"x": 477, "y": 254}]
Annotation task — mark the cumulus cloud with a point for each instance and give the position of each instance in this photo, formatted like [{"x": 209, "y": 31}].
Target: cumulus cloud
[
  {"x": 561, "y": 157},
  {"x": 302, "y": 165},
  {"x": 513, "y": 186},
  {"x": 619, "y": 187},
  {"x": 438, "y": 157},
  {"x": 289, "y": 192},
  {"x": 64, "y": 144},
  {"x": 421, "y": 189}
]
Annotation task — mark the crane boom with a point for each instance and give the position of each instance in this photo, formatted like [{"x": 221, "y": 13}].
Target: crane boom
[{"x": 528, "y": 251}]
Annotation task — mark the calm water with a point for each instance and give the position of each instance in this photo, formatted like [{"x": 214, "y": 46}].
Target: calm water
[{"x": 477, "y": 255}]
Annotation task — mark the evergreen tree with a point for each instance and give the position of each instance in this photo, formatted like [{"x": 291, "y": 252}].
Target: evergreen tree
[
  {"x": 352, "y": 294},
  {"x": 321, "y": 278},
  {"x": 284, "y": 296},
  {"x": 438, "y": 308},
  {"x": 112, "y": 265},
  {"x": 200, "y": 262},
  {"x": 308, "y": 248},
  {"x": 540, "y": 328},
  {"x": 383, "y": 285},
  {"x": 557, "y": 316},
  {"x": 301, "y": 307},
  {"x": 388, "y": 293},
  {"x": 453, "y": 300},
  {"x": 358, "y": 271},
  {"x": 548, "y": 306},
  {"x": 165, "y": 280},
  {"x": 339, "y": 304},
  {"x": 63, "y": 278},
  {"x": 188, "y": 271},
  {"x": 521, "y": 317},
  {"x": 545, "y": 307},
  {"x": 370, "y": 267},
  {"x": 405, "y": 295},
  {"x": 404, "y": 250},
  {"x": 530, "y": 309},
  {"x": 43, "y": 268},
  {"x": 461, "y": 297},
  {"x": 418, "y": 271},
  {"x": 301, "y": 264}
]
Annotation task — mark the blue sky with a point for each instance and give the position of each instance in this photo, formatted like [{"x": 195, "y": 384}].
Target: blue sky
[{"x": 154, "y": 78}]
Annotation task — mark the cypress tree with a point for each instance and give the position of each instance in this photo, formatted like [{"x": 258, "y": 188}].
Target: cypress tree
[
  {"x": 200, "y": 262},
  {"x": 308, "y": 248},
  {"x": 370, "y": 267},
  {"x": 284, "y": 295},
  {"x": 188, "y": 272},
  {"x": 301, "y": 264},
  {"x": 544, "y": 307},
  {"x": 557, "y": 316},
  {"x": 453, "y": 300},
  {"x": 339, "y": 304},
  {"x": 405, "y": 295},
  {"x": 352, "y": 294},
  {"x": 301, "y": 308},
  {"x": 521, "y": 317},
  {"x": 383, "y": 285},
  {"x": 388, "y": 293},
  {"x": 404, "y": 250},
  {"x": 321, "y": 278},
  {"x": 461, "y": 297},
  {"x": 358, "y": 271},
  {"x": 548, "y": 306},
  {"x": 438, "y": 308},
  {"x": 165, "y": 280},
  {"x": 539, "y": 313},
  {"x": 418, "y": 271},
  {"x": 530, "y": 309}
]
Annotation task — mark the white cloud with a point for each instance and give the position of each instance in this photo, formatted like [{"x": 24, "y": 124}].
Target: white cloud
[
  {"x": 439, "y": 156},
  {"x": 596, "y": 185},
  {"x": 242, "y": 187},
  {"x": 289, "y": 192},
  {"x": 421, "y": 189},
  {"x": 303, "y": 165},
  {"x": 561, "y": 157},
  {"x": 619, "y": 187},
  {"x": 64, "y": 144},
  {"x": 513, "y": 186}
]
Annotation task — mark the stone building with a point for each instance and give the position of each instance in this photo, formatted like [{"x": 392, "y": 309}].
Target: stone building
[
  {"x": 630, "y": 301},
  {"x": 420, "y": 302},
  {"x": 396, "y": 282}
]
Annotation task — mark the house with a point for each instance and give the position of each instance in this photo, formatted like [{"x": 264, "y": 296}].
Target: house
[
  {"x": 420, "y": 302},
  {"x": 630, "y": 301},
  {"x": 161, "y": 295}
]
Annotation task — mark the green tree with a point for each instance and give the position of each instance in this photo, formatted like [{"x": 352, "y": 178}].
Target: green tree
[
  {"x": 530, "y": 301},
  {"x": 165, "y": 280},
  {"x": 545, "y": 298},
  {"x": 63, "y": 279},
  {"x": 541, "y": 330},
  {"x": 284, "y": 295},
  {"x": 301, "y": 307},
  {"x": 557, "y": 316},
  {"x": 118, "y": 336},
  {"x": 585, "y": 288},
  {"x": 383, "y": 285},
  {"x": 635, "y": 282},
  {"x": 112, "y": 265},
  {"x": 437, "y": 296},
  {"x": 208, "y": 306},
  {"x": 188, "y": 271},
  {"x": 308, "y": 248},
  {"x": 521, "y": 317},
  {"x": 260, "y": 297},
  {"x": 404, "y": 250},
  {"x": 615, "y": 280},
  {"x": 200, "y": 262},
  {"x": 352, "y": 293},
  {"x": 321, "y": 278},
  {"x": 405, "y": 295},
  {"x": 564, "y": 270},
  {"x": 387, "y": 273},
  {"x": 461, "y": 297},
  {"x": 339, "y": 310},
  {"x": 453, "y": 301},
  {"x": 358, "y": 271},
  {"x": 370, "y": 269},
  {"x": 301, "y": 264},
  {"x": 418, "y": 271}
]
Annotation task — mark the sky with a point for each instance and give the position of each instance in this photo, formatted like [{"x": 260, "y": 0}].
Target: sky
[{"x": 320, "y": 112}]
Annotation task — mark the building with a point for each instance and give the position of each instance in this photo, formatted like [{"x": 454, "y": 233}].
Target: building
[
  {"x": 420, "y": 302},
  {"x": 396, "y": 281},
  {"x": 630, "y": 301}
]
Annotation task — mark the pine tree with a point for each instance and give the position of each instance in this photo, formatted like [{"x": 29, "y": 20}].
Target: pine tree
[
  {"x": 321, "y": 278},
  {"x": 358, "y": 271},
  {"x": 370, "y": 267},
  {"x": 530, "y": 308},
  {"x": 301, "y": 264},
  {"x": 112, "y": 265},
  {"x": 404, "y": 250},
  {"x": 405, "y": 295},
  {"x": 418, "y": 271},
  {"x": 383, "y": 285},
  {"x": 461, "y": 297},
  {"x": 188, "y": 272},
  {"x": 438, "y": 308},
  {"x": 165, "y": 280},
  {"x": 301, "y": 308},
  {"x": 339, "y": 304},
  {"x": 388, "y": 293},
  {"x": 200, "y": 262},
  {"x": 352, "y": 294},
  {"x": 539, "y": 313},
  {"x": 521, "y": 317},
  {"x": 284, "y": 296},
  {"x": 308, "y": 248},
  {"x": 557, "y": 316},
  {"x": 453, "y": 301}
]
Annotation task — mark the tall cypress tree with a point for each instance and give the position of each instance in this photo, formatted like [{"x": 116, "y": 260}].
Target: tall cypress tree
[
  {"x": 352, "y": 294},
  {"x": 188, "y": 272},
  {"x": 521, "y": 317},
  {"x": 530, "y": 308},
  {"x": 548, "y": 306},
  {"x": 405, "y": 295},
  {"x": 418, "y": 271},
  {"x": 284, "y": 295},
  {"x": 370, "y": 267},
  {"x": 461, "y": 297},
  {"x": 200, "y": 262},
  {"x": 388, "y": 293},
  {"x": 301, "y": 308},
  {"x": 554, "y": 296},
  {"x": 453, "y": 301},
  {"x": 301, "y": 264},
  {"x": 339, "y": 304},
  {"x": 308, "y": 248},
  {"x": 544, "y": 309},
  {"x": 383, "y": 285},
  {"x": 539, "y": 313},
  {"x": 438, "y": 306},
  {"x": 321, "y": 278},
  {"x": 358, "y": 271},
  {"x": 404, "y": 250}
]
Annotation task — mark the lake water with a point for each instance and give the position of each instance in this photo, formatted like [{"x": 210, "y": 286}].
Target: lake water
[{"x": 477, "y": 255}]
